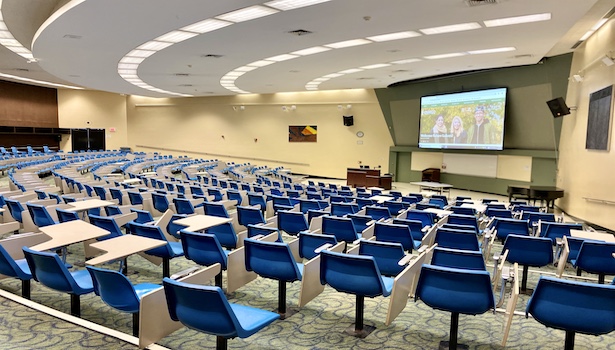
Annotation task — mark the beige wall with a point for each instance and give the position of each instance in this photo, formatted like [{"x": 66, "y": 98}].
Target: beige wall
[
  {"x": 93, "y": 109},
  {"x": 588, "y": 176},
  {"x": 196, "y": 126},
  {"x": 209, "y": 127}
]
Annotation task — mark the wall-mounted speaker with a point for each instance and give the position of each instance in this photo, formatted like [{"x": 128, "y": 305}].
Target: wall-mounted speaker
[
  {"x": 558, "y": 107},
  {"x": 348, "y": 120}
]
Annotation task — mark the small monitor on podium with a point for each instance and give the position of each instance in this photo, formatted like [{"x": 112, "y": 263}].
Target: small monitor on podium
[{"x": 364, "y": 166}]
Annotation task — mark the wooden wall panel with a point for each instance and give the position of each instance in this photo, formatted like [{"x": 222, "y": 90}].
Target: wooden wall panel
[{"x": 28, "y": 105}]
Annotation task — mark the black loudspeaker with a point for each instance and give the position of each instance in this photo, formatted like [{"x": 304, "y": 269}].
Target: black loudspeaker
[
  {"x": 558, "y": 107},
  {"x": 348, "y": 120}
]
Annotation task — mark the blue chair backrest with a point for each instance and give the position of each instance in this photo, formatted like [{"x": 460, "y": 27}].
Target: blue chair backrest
[
  {"x": 528, "y": 250},
  {"x": 215, "y": 209},
  {"x": 202, "y": 248},
  {"x": 308, "y": 204},
  {"x": 308, "y": 242},
  {"x": 534, "y": 217},
  {"x": 135, "y": 198},
  {"x": 106, "y": 223},
  {"x": 316, "y": 213},
  {"x": 255, "y": 230},
  {"x": 342, "y": 228},
  {"x": 114, "y": 289},
  {"x": 160, "y": 202},
  {"x": 498, "y": 213},
  {"x": 507, "y": 227},
  {"x": 416, "y": 227},
  {"x": 257, "y": 199},
  {"x": 387, "y": 255},
  {"x": 455, "y": 290},
  {"x": 116, "y": 194},
  {"x": 594, "y": 257},
  {"x": 456, "y": 239},
  {"x": 234, "y": 196},
  {"x": 459, "y": 259},
  {"x": 360, "y": 221},
  {"x": 151, "y": 231},
  {"x": 425, "y": 217},
  {"x": 528, "y": 208},
  {"x": 100, "y": 192},
  {"x": 249, "y": 215},
  {"x": 292, "y": 222},
  {"x": 48, "y": 269},
  {"x": 554, "y": 230},
  {"x": 143, "y": 216},
  {"x": 459, "y": 219},
  {"x": 582, "y": 307},
  {"x": 183, "y": 206},
  {"x": 437, "y": 202},
  {"x": 204, "y": 308},
  {"x": 216, "y": 193},
  {"x": 9, "y": 267},
  {"x": 395, "y": 234},
  {"x": 197, "y": 190},
  {"x": 113, "y": 210},
  {"x": 40, "y": 215},
  {"x": 225, "y": 234},
  {"x": 377, "y": 213},
  {"x": 410, "y": 199},
  {"x": 262, "y": 256},
  {"x": 15, "y": 208},
  {"x": 341, "y": 209},
  {"x": 355, "y": 274},
  {"x": 66, "y": 216}
]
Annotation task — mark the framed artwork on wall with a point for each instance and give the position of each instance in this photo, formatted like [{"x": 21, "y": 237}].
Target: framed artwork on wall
[
  {"x": 599, "y": 119},
  {"x": 302, "y": 133}
]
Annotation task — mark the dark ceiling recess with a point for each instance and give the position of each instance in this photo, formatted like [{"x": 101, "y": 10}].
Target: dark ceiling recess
[{"x": 300, "y": 32}]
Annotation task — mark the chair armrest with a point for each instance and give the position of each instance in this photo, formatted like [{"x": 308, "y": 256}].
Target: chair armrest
[
  {"x": 422, "y": 249},
  {"x": 405, "y": 260},
  {"x": 323, "y": 247},
  {"x": 185, "y": 273}
]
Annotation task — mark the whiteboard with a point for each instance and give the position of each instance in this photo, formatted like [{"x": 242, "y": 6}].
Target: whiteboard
[
  {"x": 470, "y": 164},
  {"x": 424, "y": 160}
]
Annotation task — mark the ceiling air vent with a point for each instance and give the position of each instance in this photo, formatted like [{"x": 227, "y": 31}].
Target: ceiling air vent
[
  {"x": 210, "y": 55},
  {"x": 72, "y": 36},
  {"x": 576, "y": 44},
  {"x": 22, "y": 70},
  {"x": 480, "y": 2},
  {"x": 185, "y": 85},
  {"x": 182, "y": 74},
  {"x": 300, "y": 32}
]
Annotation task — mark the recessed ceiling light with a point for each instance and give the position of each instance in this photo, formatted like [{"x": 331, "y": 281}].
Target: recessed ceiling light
[
  {"x": 154, "y": 45},
  {"x": 350, "y": 71},
  {"x": 584, "y": 37},
  {"x": 409, "y": 60},
  {"x": 599, "y": 24},
  {"x": 260, "y": 63},
  {"x": 394, "y": 36},
  {"x": 4, "y": 34},
  {"x": 332, "y": 75},
  {"x": 495, "y": 50},
  {"x": 245, "y": 69},
  {"x": 285, "y": 5},
  {"x": 141, "y": 53},
  {"x": 348, "y": 43},
  {"x": 234, "y": 74},
  {"x": 127, "y": 59},
  {"x": 517, "y": 20},
  {"x": 446, "y": 55},
  {"x": 320, "y": 80},
  {"x": 247, "y": 13},
  {"x": 176, "y": 36},
  {"x": 10, "y": 76},
  {"x": 208, "y": 25},
  {"x": 19, "y": 50},
  {"x": 9, "y": 42},
  {"x": 280, "y": 58},
  {"x": 374, "y": 66},
  {"x": 311, "y": 50},
  {"x": 451, "y": 28},
  {"x": 127, "y": 66}
]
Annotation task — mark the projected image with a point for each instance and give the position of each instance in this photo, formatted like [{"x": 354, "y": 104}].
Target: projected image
[{"x": 465, "y": 120}]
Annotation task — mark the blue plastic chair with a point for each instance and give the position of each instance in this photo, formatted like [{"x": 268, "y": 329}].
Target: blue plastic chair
[
  {"x": 16, "y": 268},
  {"x": 135, "y": 198},
  {"x": 184, "y": 206},
  {"x": 40, "y": 215},
  {"x": 309, "y": 242},
  {"x": 273, "y": 260},
  {"x": 361, "y": 222},
  {"x": 258, "y": 200},
  {"x": 50, "y": 271},
  {"x": 160, "y": 202},
  {"x": 528, "y": 251},
  {"x": 555, "y": 230},
  {"x": 250, "y": 215},
  {"x": 463, "y": 210},
  {"x": 596, "y": 257},
  {"x": 117, "y": 194},
  {"x": 204, "y": 249},
  {"x": 166, "y": 252},
  {"x": 377, "y": 213},
  {"x": 206, "y": 309},
  {"x": 574, "y": 307},
  {"x": 341, "y": 209},
  {"x": 225, "y": 234},
  {"x": 387, "y": 256},
  {"x": 15, "y": 209},
  {"x": 66, "y": 216},
  {"x": 358, "y": 275},
  {"x": 507, "y": 227},
  {"x": 117, "y": 291},
  {"x": 215, "y": 209},
  {"x": 459, "y": 291},
  {"x": 425, "y": 217},
  {"x": 458, "y": 259},
  {"x": 342, "y": 228},
  {"x": 457, "y": 239},
  {"x": 394, "y": 233},
  {"x": 292, "y": 222},
  {"x": 143, "y": 216},
  {"x": 460, "y": 219}
]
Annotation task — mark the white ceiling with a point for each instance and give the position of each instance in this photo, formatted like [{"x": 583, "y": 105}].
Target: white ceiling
[{"x": 82, "y": 45}]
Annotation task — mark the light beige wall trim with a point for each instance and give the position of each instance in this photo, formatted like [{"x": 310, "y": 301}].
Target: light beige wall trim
[{"x": 222, "y": 155}]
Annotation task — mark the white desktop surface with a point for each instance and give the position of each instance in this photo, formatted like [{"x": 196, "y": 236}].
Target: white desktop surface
[
  {"x": 68, "y": 233},
  {"x": 440, "y": 212},
  {"x": 88, "y": 204},
  {"x": 382, "y": 199},
  {"x": 200, "y": 222},
  {"x": 123, "y": 246},
  {"x": 595, "y": 235}
]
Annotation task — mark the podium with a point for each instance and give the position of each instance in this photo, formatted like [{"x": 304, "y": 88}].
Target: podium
[
  {"x": 367, "y": 178},
  {"x": 431, "y": 175}
]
